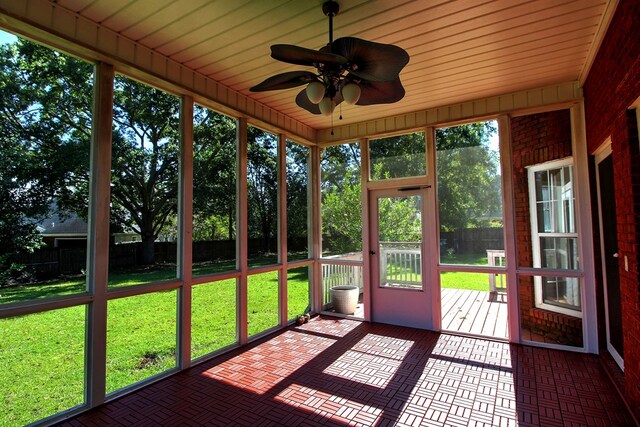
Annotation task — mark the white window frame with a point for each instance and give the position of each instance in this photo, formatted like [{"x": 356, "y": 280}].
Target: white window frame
[{"x": 536, "y": 234}]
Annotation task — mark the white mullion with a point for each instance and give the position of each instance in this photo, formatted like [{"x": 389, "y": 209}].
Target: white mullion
[
  {"x": 430, "y": 265},
  {"x": 98, "y": 235},
  {"x": 282, "y": 230},
  {"x": 242, "y": 227},
  {"x": 316, "y": 231},
  {"x": 185, "y": 210},
  {"x": 366, "y": 242},
  {"x": 508, "y": 218}
]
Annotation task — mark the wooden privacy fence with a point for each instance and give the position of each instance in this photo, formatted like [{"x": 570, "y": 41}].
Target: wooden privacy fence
[
  {"x": 52, "y": 262},
  {"x": 472, "y": 240}
]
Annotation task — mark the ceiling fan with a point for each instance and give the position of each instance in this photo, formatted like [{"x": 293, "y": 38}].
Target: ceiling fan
[{"x": 348, "y": 69}]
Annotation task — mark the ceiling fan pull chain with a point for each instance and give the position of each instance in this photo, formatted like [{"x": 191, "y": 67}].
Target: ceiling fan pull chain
[{"x": 340, "y": 112}]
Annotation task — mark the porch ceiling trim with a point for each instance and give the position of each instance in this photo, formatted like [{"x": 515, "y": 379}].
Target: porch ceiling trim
[
  {"x": 48, "y": 23},
  {"x": 561, "y": 95}
]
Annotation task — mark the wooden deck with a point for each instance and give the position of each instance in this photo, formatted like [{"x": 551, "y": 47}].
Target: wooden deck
[
  {"x": 473, "y": 312},
  {"x": 468, "y": 312}
]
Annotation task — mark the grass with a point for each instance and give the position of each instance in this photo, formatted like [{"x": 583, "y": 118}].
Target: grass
[{"x": 42, "y": 354}]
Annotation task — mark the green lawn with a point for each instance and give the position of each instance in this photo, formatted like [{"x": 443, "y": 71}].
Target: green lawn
[{"x": 42, "y": 355}]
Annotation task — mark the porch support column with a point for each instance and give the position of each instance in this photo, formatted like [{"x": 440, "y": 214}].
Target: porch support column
[
  {"x": 316, "y": 231},
  {"x": 242, "y": 235},
  {"x": 432, "y": 230},
  {"x": 508, "y": 217},
  {"x": 366, "y": 232},
  {"x": 98, "y": 235},
  {"x": 282, "y": 229},
  {"x": 583, "y": 214},
  {"x": 185, "y": 209}
]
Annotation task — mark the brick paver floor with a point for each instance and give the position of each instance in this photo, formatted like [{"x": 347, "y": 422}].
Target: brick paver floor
[{"x": 341, "y": 372}]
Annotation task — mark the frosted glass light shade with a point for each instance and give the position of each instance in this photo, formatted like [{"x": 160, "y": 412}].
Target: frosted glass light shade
[
  {"x": 326, "y": 106},
  {"x": 351, "y": 93},
  {"x": 315, "y": 92}
]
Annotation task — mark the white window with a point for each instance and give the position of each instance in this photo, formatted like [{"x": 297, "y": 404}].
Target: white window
[{"x": 553, "y": 235}]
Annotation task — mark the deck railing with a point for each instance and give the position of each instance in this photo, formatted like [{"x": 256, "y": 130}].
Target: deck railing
[
  {"x": 400, "y": 266},
  {"x": 338, "y": 275}
]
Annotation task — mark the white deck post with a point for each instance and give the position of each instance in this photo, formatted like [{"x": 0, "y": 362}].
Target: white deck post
[{"x": 98, "y": 235}]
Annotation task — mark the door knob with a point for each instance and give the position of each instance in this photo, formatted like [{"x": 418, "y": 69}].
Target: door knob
[
  {"x": 372, "y": 252},
  {"x": 615, "y": 255}
]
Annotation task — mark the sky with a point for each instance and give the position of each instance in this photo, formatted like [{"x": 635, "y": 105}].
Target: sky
[{"x": 6, "y": 37}]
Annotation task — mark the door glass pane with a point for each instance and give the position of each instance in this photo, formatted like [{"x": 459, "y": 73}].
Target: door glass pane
[
  {"x": 400, "y": 237},
  {"x": 398, "y": 156},
  {"x": 469, "y": 193}
]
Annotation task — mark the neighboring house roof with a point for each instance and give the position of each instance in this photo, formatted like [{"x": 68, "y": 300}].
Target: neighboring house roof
[{"x": 68, "y": 224}]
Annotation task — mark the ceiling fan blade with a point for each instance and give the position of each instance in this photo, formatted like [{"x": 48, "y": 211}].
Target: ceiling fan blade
[
  {"x": 284, "y": 81},
  {"x": 380, "y": 92},
  {"x": 303, "y": 56},
  {"x": 376, "y": 62},
  {"x": 303, "y": 101}
]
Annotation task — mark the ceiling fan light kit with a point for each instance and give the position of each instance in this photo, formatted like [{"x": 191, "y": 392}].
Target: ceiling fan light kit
[{"x": 356, "y": 71}]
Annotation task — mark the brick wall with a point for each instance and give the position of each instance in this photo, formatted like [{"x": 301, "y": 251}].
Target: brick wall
[
  {"x": 612, "y": 85},
  {"x": 538, "y": 138}
]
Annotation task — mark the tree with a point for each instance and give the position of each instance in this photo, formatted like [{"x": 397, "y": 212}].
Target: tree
[
  {"x": 297, "y": 191},
  {"x": 262, "y": 185},
  {"x": 46, "y": 120},
  {"x": 398, "y": 156},
  {"x": 145, "y": 154},
  {"x": 214, "y": 171},
  {"x": 45, "y": 104},
  {"x": 341, "y": 199},
  {"x": 469, "y": 191},
  {"x": 468, "y": 184}
]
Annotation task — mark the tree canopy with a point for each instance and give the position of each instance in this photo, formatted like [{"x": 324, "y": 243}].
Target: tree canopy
[
  {"x": 468, "y": 183},
  {"x": 46, "y": 111}
]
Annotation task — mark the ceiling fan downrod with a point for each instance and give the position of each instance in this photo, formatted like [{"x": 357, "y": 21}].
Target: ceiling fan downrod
[{"x": 330, "y": 8}]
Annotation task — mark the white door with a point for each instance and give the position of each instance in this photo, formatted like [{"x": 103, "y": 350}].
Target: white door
[{"x": 399, "y": 288}]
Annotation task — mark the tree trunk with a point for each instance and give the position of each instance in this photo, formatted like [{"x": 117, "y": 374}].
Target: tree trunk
[{"x": 148, "y": 251}]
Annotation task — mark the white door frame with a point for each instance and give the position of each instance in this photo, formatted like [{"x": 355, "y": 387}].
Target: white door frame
[
  {"x": 604, "y": 152},
  {"x": 404, "y": 307}
]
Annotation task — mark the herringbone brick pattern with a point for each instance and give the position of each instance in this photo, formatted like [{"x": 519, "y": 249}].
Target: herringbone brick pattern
[{"x": 338, "y": 372}]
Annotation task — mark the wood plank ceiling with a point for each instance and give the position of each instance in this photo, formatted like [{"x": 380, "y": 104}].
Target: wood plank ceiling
[{"x": 460, "y": 50}]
